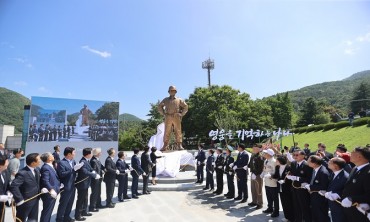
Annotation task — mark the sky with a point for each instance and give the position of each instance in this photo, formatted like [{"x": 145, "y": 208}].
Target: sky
[{"x": 132, "y": 51}]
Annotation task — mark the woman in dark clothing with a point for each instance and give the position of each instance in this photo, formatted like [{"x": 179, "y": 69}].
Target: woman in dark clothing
[
  {"x": 154, "y": 158},
  {"x": 284, "y": 186}
]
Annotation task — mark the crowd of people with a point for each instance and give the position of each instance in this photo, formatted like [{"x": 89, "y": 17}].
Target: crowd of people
[
  {"x": 312, "y": 186},
  {"x": 49, "y": 175}
]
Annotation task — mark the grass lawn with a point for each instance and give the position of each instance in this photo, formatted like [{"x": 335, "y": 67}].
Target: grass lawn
[{"x": 350, "y": 136}]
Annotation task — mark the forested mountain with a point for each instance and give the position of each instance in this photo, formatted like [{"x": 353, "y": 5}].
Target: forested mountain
[{"x": 337, "y": 93}]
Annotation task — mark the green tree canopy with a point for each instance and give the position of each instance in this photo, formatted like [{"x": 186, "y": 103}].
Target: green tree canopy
[{"x": 361, "y": 97}]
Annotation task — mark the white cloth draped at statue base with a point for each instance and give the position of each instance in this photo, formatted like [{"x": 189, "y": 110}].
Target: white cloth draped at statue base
[{"x": 170, "y": 164}]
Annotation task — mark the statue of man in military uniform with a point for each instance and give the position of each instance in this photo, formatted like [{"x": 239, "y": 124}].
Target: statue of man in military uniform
[
  {"x": 173, "y": 109},
  {"x": 85, "y": 112}
]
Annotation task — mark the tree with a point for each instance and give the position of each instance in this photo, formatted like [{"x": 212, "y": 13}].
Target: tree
[
  {"x": 108, "y": 111},
  {"x": 361, "y": 97},
  {"x": 282, "y": 110},
  {"x": 308, "y": 112}
]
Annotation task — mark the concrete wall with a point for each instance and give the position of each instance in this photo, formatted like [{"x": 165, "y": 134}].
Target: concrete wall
[{"x": 5, "y": 131}]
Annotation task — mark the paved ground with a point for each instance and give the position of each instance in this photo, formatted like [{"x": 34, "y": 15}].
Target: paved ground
[{"x": 175, "y": 206}]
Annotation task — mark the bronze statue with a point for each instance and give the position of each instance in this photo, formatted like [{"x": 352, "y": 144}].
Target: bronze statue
[
  {"x": 85, "y": 112},
  {"x": 173, "y": 109}
]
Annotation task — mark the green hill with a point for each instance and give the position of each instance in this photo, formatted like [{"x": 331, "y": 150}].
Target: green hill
[
  {"x": 350, "y": 136},
  {"x": 336, "y": 93},
  {"x": 129, "y": 118},
  {"x": 12, "y": 105}
]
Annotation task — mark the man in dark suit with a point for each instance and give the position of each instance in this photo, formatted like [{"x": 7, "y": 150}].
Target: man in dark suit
[
  {"x": 210, "y": 168},
  {"x": 240, "y": 166},
  {"x": 110, "y": 177},
  {"x": 321, "y": 152},
  {"x": 135, "y": 173},
  {"x": 229, "y": 173},
  {"x": 56, "y": 156},
  {"x": 5, "y": 195},
  {"x": 146, "y": 165},
  {"x": 219, "y": 163},
  {"x": 122, "y": 178},
  {"x": 27, "y": 185},
  {"x": 84, "y": 175},
  {"x": 50, "y": 181},
  {"x": 338, "y": 180},
  {"x": 300, "y": 173},
  {"x": 66, "y": 170},
  {"x": 357, "y": 188},
  {"x": 95, "y": 196},
  {"x": 319, "y": 181},
  {"x": 201, "y": 157}
]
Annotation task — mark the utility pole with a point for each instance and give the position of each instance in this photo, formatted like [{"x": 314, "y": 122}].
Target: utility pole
[{"x": 209, "y": 65}]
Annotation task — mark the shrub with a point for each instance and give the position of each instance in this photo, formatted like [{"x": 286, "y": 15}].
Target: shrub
[
  {"x": 319, "y": 127},
  {"x": 361, "y": 121},
  {"x": 310, "y": 129},
  {"x": 322, "y": 118},
  {"x": 329, "y": 126},
  {"x": 341, "y": 124}
]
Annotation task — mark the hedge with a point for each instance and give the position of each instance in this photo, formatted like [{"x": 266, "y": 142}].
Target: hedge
[
  {"x": 329, "y": 126},
  {"x": 361, "y": 121},
  {"x": 341, "y": 124}
]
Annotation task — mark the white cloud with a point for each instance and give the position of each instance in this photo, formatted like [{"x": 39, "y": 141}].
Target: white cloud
[
  {"x": 44, "y": 90},
  {"x": 364, "y": 38},
  {"x": 348, "y": 42},
  {"x": 7, "y": 44},
  {"x": 103, "y": 54},
  {"x": 23, "y": 61},
  {"x": 20, "y": 83},
  {"x": 349, "y": 51}
]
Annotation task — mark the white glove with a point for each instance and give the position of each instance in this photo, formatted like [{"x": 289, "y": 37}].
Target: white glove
[
  {"x": 368, "y": 216},
  {"x": 328, "y": 196},
  {"x": 44, "y": 190},
  {"x": 231, "y": 173},
  {"x": 78, "y": 166},
  {"x": 93, "y": 171},
  {"x": 234, "y": 168},
  {"x": 262, "y": 175},
  {"x": 334, "y": 196},
  {"x": 198, "y": 163},
  {"x": 267, "y": 176},
  {"x": 20, "y": 203},
  {"x": 281, "y": 181},
  {"x": 213, "y": 164},
  {"x": 307, "y": 187},
  {"x": 363, "y": 208},
  {"x": 153, "y": 165},
  {"x": 346, "y": 203},
  {"x": 253, "y": 176},
  {"x": 61, "y": 186},
  {"x": 293, "y": 178},
  {"x": 231, "y": 165},
  {"x": 144, "y": 174},
  {"x": 245, "y": 167},
  {"x": 322, "y": 192},
  {"x": 131, "y": 169},
  {"x": 53, "y": 194},
  {"x": 97, "y": 177},
  {"x": 4, "y": 198},
  {"x": 117, "y": 172},
  {"x": 127, "y": 171},
  {"x": 219, "y": 167}
]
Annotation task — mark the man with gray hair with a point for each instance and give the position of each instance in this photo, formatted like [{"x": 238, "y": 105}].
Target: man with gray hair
[
  {"x": 95, "y": 196},
  {"x": 50, "y": 181}
]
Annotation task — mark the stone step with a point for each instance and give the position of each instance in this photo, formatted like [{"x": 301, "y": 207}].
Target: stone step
[{"x": 173, "y": 187}]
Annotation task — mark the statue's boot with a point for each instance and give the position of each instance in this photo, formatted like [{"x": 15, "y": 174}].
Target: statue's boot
[
  {"x": 164, "y": 148},
  {"x": 179, "y": 146}
]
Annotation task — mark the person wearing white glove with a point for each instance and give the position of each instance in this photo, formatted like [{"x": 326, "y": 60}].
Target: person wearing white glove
[
  {"x": 200, "y": 157},
  {"x": 284, "y": 186},
  {"x": 319, "y": 181},
  {"x": 124, "y": 168},
  {"x": 209, "y": 170},
  {"x": 335, "y": 188},
  {"x": 363, "y": 208},
  {"x": 97, "y": 166},
  {"x": 219, "y": 162},
  {"x": 229, "y": 160},
  {"x": 24, "y": 186},
  {"x": 135, "y": 173},
  {"x": 110, "y": 177},
  {"x": 146, "y": 165},
  {"x": 154, "y": 158},
  {"x": 271, "y": 185},
  {"x": 256, "y": 165},
  {"x": 83, "y": 181}
]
